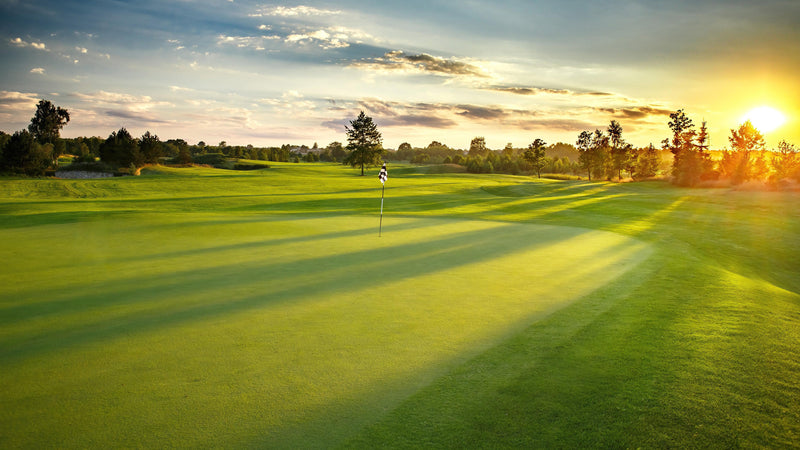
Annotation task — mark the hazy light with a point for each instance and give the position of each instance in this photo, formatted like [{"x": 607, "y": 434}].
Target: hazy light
[{"x": 765, "y": 118}]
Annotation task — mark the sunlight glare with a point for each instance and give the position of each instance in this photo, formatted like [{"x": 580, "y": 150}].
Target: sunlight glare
[{"x": 765, "y": 118}]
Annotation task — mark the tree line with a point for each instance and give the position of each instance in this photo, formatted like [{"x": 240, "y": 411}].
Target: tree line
[{"x": 599, "y": 154}]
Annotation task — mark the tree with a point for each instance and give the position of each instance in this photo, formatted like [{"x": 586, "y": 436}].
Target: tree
[
  {"x": 337, "y": 151},
  {"x": 120, "y": 149},
  {"x": 477, "y": 147},
  {"x": 691, "y": 161},
  {"x": 647, "y": 163},
  {"x": 47, "y": 122},
  {"x": 786, "y": 162},
  {"x": 404, "y": 152},
  {"x": 535, "y": 154},
  {"x": 621, "y": 153},
  {"x": 584, "y": 146},
  {"x": 151, "y": 148},
  {"x": 22, "y": 154},
  {"x": 364, "y": 142},
  {"x": 745, "y": 160}
]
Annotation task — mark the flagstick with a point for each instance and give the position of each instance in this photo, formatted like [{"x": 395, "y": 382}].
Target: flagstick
[{"x": 380, "y": 225}]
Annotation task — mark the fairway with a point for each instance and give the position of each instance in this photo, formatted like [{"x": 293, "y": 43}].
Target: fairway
[{"x": 205, "y": 308}]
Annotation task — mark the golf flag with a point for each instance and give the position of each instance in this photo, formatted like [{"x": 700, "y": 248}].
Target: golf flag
[{"x": 384, "y": 174}]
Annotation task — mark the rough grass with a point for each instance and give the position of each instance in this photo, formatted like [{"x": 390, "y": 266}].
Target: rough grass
[{"x": 209, "y": 308}]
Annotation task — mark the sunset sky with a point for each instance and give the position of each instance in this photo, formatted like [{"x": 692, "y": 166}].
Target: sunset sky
[{"x": 249, "y": 72}]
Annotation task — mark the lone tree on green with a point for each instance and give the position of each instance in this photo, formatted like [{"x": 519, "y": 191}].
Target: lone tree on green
[{"x": 364, "y": 142}]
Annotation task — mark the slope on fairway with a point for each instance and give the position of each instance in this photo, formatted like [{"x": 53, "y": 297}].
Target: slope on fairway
[{"x": 228, "y": 330}]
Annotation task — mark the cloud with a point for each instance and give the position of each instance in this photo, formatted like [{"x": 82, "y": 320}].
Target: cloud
[
  {"x": 297, "y": 11},
  {"x": 482, "y": 112},
  {"x": 38, "y": 70},
  {"x": 291, "y": 101},
  {"x": 636, "y": 113},
  {"x": 322, "y": 37},
  {"x": 129, "y": 102},
  {"x": 541, "y": 90},
  {"x": 421, "y": 63},
  {"x": 18, "y": 100},
  {"x": 133, "y": 116},
  {"x": 257, "y": 43},
  {"x": 18, "y": 42},
  {"x": 330, "y": 37}
]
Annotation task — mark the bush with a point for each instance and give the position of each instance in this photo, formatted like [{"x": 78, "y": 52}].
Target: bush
[
  {"x": 240, "y": 166},
  {"x": 94, "y": 166},
  {"x": 211, "y": 159}
]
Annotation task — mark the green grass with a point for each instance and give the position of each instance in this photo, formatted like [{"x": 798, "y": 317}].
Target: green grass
[{"x": 211, "y": 308}]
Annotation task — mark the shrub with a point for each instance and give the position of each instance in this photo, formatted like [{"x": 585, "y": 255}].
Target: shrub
[{"x": 211, "y": 159}]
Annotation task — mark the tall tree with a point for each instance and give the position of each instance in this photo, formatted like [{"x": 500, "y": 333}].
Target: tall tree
[
  {"x": 151, "y": 148},
  {"x": 584, "y": 146},
  {"x": 47, "y": 122},
  {"x": 647, "y": 162},
  {"x": 120, "y": 149},
  {"x": 621, "y": 153},
  {"x": 535, "y": 154},
  {"x": 691, "y": 162},
  {"x": 786, "y": 162},
  {"x": 364, "y": 142},
  {"x": 478, "y": 147},
  {"x": 745, "y": 160}
]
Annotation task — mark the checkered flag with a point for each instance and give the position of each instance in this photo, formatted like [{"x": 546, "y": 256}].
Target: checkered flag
[{"x": 384, "y": 174}]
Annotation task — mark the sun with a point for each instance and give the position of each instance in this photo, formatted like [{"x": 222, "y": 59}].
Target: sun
[{"x": 765, "y": 118}]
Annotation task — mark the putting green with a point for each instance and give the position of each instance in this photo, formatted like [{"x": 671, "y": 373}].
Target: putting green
[{"x": 225, "y": 330}]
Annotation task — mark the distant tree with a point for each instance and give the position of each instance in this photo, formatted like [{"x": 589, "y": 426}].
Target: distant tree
[
  {"x": 786, "y": 162},
  {"x": 647, "y": 162},
  {"x": 47, "y": 122},
  {"x": 420, "y": 158},
  {"x": 745, "y": 159},
  {"x": 593, "y": 152},
  {"x": 151, "y": 148},
  {"x": 584, "y": 146},
  {"x": 4, "y": 138},
  {"x": 508, "y": 150},
  {"x": 535, "y": 155},
  {"x": 691, "y": 163},
  {"x": 336, "y": 150},
  {"x": 621, "y": 153},
  {"x": 404, "y": 152},
  {"x": 478, "y": 147},
  {"x": 23, "y": 155},
  {"x": 364, "y": 142},
  {"x": 120, "y": 149}
]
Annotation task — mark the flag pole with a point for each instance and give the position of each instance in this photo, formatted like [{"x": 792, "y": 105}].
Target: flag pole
[
  {"x": 383, "y": 175},
  {"x": 380, "y": 225}
]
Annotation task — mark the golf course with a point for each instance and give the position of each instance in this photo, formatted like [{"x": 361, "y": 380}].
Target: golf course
[{"x": 208, "y": 308}]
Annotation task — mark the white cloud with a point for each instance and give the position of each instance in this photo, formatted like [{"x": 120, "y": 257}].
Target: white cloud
[
  {"x": 180, "y": 89},
  {"x": 18, "y": 42},
  {"x": 331, "y": 37},
  {"x": 18, "y": 100},
  {"x": 38, "y": 70},
  {"x": 83, "y": 50},
  {"x": 130, "y": 102},
  {"x": 253, "y": 42},
  {"x": 282, "y": 11}
]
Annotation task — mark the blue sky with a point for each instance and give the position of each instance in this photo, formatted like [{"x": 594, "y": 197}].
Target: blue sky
[{"x": 250, "y": 72}]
